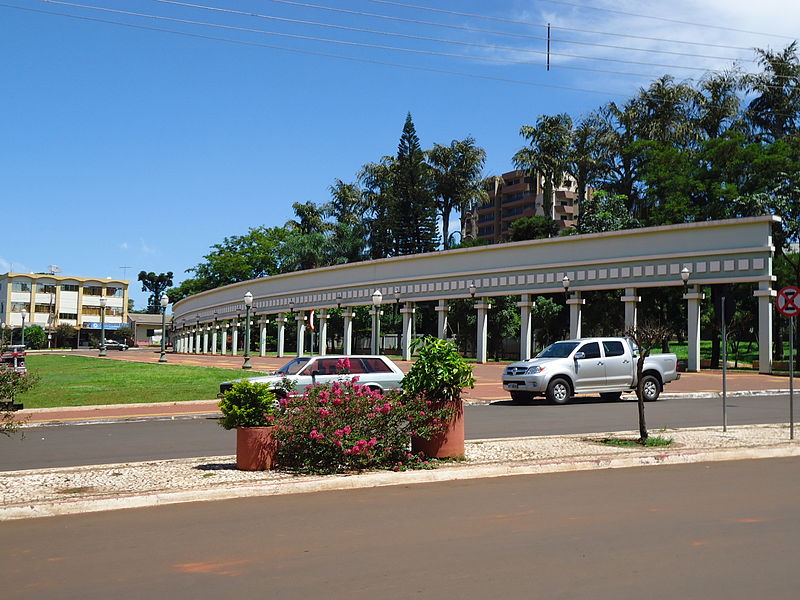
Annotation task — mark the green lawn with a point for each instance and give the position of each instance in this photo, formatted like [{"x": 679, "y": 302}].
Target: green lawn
[{"x": 83, "y": 381}]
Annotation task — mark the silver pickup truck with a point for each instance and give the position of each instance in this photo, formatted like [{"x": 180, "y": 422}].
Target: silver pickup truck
[{"x": 605, "y": 366}]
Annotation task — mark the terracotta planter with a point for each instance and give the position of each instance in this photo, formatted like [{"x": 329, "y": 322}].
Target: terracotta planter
[
  {"x": 449, "y": 443},
  {"x": 255, "y": 448}
]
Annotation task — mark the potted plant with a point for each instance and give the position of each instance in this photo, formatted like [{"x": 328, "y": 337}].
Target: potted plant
[
  {"x": 251, "y": 409},
  {"x": 436, "y": 381}
]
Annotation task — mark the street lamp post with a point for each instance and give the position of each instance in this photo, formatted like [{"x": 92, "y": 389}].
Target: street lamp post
[
  {"x": 565, "y": 283},
  {"x": 377, "y": 298},
  {"x": 685, "y": 273},
  {"x": 24, "y": 315},
  {"x": 399, "y": 321},
  {"x": 164, "y": 302},
  {"x": 103, "y": 326},
  {"x": 3, "y": 334},
  {"x": 248, "y": 302},
  {"x": 472, "y": 289}
]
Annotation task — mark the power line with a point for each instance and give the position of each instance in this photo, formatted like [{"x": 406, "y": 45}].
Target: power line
[
  {"x": 585, "y": 7},
  {"x": 308, "y": 52},
  {"x": 526, "y": 36},
  {"x": 422, "y": 38},
  {"x": 378, "y": 46}
]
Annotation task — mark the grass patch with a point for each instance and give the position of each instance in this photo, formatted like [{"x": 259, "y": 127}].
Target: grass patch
[
  {"x": 86, "y": 381},
  {"x": 652, "y": 441}
]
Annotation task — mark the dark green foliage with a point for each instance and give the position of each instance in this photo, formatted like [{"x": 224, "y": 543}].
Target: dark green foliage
[
  {"x": 532, "y": 228},
  {"x": 439, "y": 374},
  {"x": 248, "y": 404},
  {"x": 35, "y": 337},
  {"x": 156, "y": 285}
]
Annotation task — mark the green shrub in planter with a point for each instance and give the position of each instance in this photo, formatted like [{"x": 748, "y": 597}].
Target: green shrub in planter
[{"x": 248, "y": 404}]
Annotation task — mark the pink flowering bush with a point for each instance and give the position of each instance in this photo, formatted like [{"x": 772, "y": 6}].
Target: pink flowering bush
[{"x": 345, "y": 426}]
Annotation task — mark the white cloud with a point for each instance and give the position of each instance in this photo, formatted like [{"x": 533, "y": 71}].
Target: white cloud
[
  {"x": 124, "y": 245},
  {"x": 145, "y": 248}
]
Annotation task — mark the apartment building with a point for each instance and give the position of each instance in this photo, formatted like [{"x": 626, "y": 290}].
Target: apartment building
[
  {"x": 50, "y": 300},
  {"x": 515, "y": 195}
]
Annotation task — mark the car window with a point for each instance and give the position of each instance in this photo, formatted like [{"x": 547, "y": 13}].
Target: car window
[
  {"x": 590, "y": 350},
  {"x": 326, "y": 366},
  {"x": 558, "y": 350},
  {"x": 612, "y": 348},
  {"x": 376, "y": 365},
  {"x": 292, "y": 367},
  {"x": 356, "y": 366}
]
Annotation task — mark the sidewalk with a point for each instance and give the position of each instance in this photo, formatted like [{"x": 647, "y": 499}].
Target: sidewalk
[{"x": 73, "y": 490}]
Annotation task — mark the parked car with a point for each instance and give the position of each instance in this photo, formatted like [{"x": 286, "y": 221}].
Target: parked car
[
  {"x": 590, "y": 365},
  {"x": 374, "y": 371},
  {"x": 115, "y": 345}
]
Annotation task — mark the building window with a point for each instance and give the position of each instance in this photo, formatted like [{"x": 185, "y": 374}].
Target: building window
[
  {"x": 486, "y": 230},
  {"x": 92, "y": 290},
  {"x": 42, "y": 308},
  {"x": 69, "y": 287},
  {"x": 20, "y": 286},
  {"x": 68, "y": 316},
  {"x": 93, "y": 311},
  {"x": 45, "y": 288},
  {"x": 114, "y": 292},
  {"x": 19, "y": 306},
  {"x": 485, "y": 217}
]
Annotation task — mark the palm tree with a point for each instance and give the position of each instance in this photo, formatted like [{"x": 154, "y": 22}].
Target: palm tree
[
  {"x": 776, "y": 110},
  {"x": 457, "y": 180},
  {"x": 547, "y": 153}
]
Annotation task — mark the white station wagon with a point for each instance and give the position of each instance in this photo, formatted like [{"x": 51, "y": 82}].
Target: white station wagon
[{"x": 377, "y": 372}]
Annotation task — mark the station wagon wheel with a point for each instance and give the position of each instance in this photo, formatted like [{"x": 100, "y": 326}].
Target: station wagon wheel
[
  {"x": 651, "y": 388},
  {"x": 558, "y": 391}
]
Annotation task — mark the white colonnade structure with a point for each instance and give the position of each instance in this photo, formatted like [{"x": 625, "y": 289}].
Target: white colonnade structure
[{"x": 707, "y": 253}]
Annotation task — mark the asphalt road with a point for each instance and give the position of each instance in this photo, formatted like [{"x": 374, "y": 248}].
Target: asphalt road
[
  {"x": 724, "y": 530},
  {"x": 71, "y": 445}
]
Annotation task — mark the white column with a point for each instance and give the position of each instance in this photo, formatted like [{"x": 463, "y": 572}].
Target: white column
[
  {"x": 631, "y": 301},
  {"x": 197, "y": 340},
  {"x": 300, "y": 317},
  {"x": 441, "y": 312},
  {"x": 765, "y": 297},
  {"x": 214, "y": 337},
  {"x": 224, "y": 343},
  {"x": 408, "y": 322},
  {"x": 347, "y": 334},
  {"x": 205, "y": 339},
  {"x": 525, "y": 306},
  {"x": 693, "y": 299},
  {"x": 482, "y": 307},
  {"x": 281, "y": 320},
  {"x": 323, "y": 332},
  {"x": 235, "y": 340},
  {"x": 262, "y": 338},
  {"x": 575, "y": 304}
]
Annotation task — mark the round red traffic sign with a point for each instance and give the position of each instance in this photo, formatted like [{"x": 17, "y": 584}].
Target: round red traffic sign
[{"x": 788, "y": 301}]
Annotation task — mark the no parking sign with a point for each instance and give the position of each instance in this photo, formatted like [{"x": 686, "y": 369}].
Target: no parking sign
[{"x": 788, "y": 301}]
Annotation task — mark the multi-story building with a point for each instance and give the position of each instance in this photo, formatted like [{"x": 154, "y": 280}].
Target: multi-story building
[
  {"x": 50, "y": 300},
  {"x": 515, "y": 195}
]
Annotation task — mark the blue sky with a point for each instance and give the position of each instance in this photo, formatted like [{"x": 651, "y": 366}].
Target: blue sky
[{"x": 128, "y": 147}]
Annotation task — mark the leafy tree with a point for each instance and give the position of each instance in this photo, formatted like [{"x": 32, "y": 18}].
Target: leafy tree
[
  {"x": 64, "y": 336},
  {"x": 548, "y": 317},
  {"x": 376, "y": 181},
  {"x": 584, "y": 162},
  {"x": 457, "y": 179},
  {"x": 412, "y": 209},
  {"x": 35, "y": 337},
  {"x": 604, "y": 212},
  {"x": 547, "y": 153},
  {"x": 12, "y": 384},
  {"x": 156, "y": 285},
  {"x": 532, "y": 228}
]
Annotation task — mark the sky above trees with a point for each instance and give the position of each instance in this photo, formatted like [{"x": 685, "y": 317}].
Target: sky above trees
[{"x": 142, "y": 145}]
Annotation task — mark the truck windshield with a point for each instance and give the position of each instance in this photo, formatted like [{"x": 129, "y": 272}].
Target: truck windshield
[
  {"x": 558, "y": 350},
  {"x": 291, "y": 368}
]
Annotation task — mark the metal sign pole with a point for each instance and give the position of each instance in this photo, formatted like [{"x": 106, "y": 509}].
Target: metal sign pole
[
  {"x": 724, "y": 368},
  {"x": 791, "y": 378}
]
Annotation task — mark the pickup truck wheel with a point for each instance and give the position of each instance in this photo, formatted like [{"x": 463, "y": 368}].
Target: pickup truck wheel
[
  {"x": 558, "y": 391},
  {"x": 611, "y": 396},
  {"x": 651, "y": 388},
  {"x": 521, "y": 396}
]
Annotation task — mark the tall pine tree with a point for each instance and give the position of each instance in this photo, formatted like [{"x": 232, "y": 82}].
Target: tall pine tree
[{"x": 413, "y": 209}]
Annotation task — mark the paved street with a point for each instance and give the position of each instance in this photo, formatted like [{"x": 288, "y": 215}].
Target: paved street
[
  {"x": 671, "y": 532},
  {"x": 68, "y": 445}
]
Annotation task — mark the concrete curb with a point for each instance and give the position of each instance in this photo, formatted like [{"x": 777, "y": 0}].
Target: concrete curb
[{"x": 642, "y": 458}]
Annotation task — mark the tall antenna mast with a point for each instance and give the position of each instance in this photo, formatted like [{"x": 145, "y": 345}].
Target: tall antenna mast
[{"x": 124, "y": 272}]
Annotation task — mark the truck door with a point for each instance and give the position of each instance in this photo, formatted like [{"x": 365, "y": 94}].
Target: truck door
[
  {"x": 619, "y": 366},
  {"x": 590, "y": 370}
]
